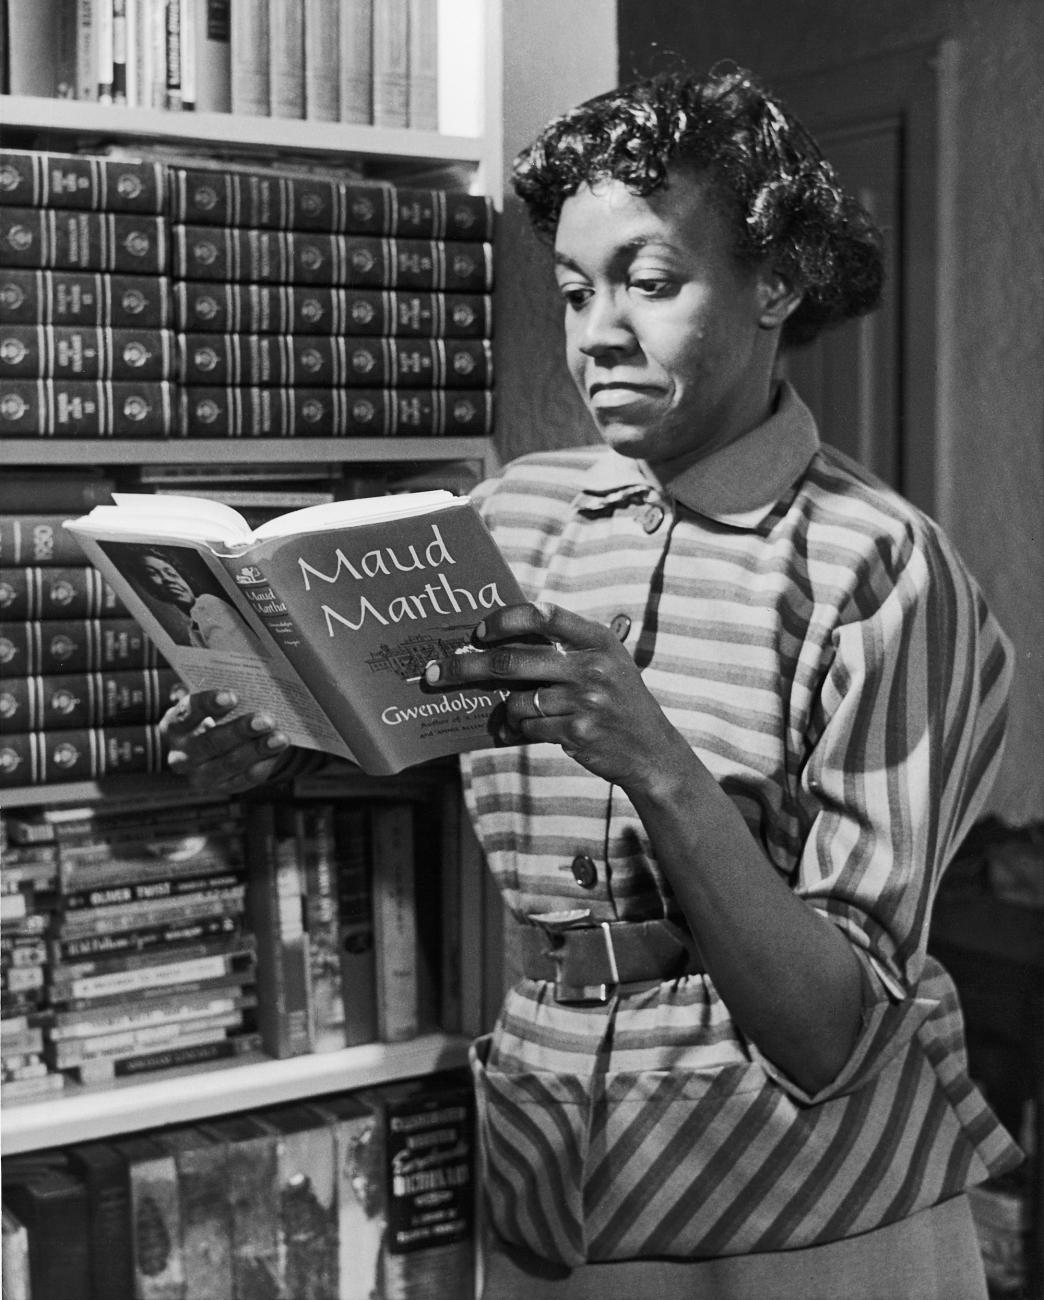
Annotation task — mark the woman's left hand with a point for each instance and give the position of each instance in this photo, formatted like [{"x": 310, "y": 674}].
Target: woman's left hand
[{"x": 571, "y": 683}]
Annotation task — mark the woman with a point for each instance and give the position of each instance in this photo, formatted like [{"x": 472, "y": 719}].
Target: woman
[
  {"x": 201, "y": 619},
  {"x": 756, "y": 703}
]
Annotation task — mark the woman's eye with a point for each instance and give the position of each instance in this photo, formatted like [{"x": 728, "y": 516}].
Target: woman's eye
[
  {"x": 652, "y": 286},
  {"x": 574, "y": 295}
]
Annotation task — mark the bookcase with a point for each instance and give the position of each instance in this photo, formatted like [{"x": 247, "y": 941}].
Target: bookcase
[{"x": 404, "y": 157}]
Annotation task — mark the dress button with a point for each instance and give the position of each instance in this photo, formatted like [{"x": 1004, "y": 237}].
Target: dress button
[
  {"x": 585, "y": 873},
  {"x": 652, "y": 517},
  {"x": 620, "y": 626}
]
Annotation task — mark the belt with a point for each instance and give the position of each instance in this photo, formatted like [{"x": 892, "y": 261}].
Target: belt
[{"x": 595, "y": 962}]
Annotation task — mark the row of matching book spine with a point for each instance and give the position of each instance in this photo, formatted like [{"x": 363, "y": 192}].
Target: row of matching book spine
[
  {"x": 269, "y": 201},
  {"x": 46, "y": 647},
  {"x": 47, "y": 238},
  {"x": 87, "y": 299},
  {"x": 300, "y": 257},
  {"x": 46, "y": 591},
  {"x": 82, "y": 690},
  {"x": 123, "y": 409},
  {"x": 360, "y": 61},
  {"x": 240, "y": 197},
  {"x": 264, "y": 360},
  {"x": 79, "y": 754},
  {"x": 355, "y": 1195},
  {"x": 58, "y": 701}
]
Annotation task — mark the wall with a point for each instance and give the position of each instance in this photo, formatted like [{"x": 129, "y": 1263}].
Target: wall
[
  {"x": 555, "y": 54},
  {"x": 990, "y": 449}
]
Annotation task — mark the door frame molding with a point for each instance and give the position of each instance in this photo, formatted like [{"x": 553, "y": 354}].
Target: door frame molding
[{"x": 913, "y": 88}]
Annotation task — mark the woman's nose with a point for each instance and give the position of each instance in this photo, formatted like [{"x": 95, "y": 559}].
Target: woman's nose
[{"x": 604, "y": 327}]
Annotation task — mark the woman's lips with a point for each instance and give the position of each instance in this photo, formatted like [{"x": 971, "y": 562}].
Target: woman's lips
[{"x": 610, "y": 397}]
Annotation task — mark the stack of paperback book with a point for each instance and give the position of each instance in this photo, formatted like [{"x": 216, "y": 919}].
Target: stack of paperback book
[
  {"x": 305, "y": 305},
  {"x": 147, "y": 959},
  {"x": 83, "y": 688},
  {"x": 28, "y": 887},
  {"x": 143, "y": 934},
  {"x": 84, "y": 347},
  {"x": 365, "y": 1194}
]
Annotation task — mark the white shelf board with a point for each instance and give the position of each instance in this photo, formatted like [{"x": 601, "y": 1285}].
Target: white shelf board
[
  {"x": 184, "y": 1096},
  {"x": 236, "y": 131},
  {"x": 48, "y": 452}
]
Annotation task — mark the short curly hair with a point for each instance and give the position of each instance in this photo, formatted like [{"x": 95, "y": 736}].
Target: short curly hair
[{"x": 782, "y": 199}]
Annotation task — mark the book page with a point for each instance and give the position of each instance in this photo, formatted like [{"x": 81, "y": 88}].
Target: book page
[
  {"x": 346, "y": 514},
  {"x": 206, "y": 518},
  {"x": 185, "y": 517}
]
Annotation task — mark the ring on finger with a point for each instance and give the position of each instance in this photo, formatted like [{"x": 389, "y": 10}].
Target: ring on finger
[{"x": 536, "y": 704}]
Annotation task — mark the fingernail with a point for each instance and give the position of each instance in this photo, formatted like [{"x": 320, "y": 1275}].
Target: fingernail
[
  {"x": 225, "y": 699},
  {"x": 275, "y": 742},
  {"x": 480, "y": 631},
  {"x": 432, "y": 673},
  {"x": 260, "y": 722}
]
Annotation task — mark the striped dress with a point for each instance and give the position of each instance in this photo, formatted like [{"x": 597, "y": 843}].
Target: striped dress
[{"x": 830, "y": 660}]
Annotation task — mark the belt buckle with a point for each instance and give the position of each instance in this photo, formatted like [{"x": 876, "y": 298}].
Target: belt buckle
[
  {"x": 583, "y": 995},
  {"x": 590, "y": 995}
]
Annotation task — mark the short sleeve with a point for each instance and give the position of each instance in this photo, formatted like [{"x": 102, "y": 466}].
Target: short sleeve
[{"x": 910, "y": 726}]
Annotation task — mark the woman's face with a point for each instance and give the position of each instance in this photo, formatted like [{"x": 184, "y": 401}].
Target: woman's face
[
  {"x": 162, "y": 577},
  {"x": 668, "y": 339}
]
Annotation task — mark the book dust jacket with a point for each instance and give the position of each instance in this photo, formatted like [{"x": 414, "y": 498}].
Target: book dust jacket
[
  {"x": 430, "y": 1173},
  {"x": 360, "y": 611}
]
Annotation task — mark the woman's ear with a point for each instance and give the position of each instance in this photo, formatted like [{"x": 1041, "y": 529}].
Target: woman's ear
[{"x": 778, "y": 297}]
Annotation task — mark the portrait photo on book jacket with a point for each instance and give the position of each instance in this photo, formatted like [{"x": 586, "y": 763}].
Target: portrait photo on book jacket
[{"x": 181, "y": 592}]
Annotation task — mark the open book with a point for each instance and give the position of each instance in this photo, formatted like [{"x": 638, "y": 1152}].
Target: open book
[{"x": 323, "y": 618}]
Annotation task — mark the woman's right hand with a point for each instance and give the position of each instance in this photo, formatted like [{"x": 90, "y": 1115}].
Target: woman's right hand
[{"x": 221, "y": 754}]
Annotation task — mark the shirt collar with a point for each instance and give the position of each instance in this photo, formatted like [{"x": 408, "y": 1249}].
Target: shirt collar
[{"x": 738, "y": 484}]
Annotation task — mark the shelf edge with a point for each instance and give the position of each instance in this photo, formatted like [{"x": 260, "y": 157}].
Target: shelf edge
[
  {"x": 222, "y": 1089},
  {"x": 39, "y": 452},
  {"x": 238, "y": 131}
]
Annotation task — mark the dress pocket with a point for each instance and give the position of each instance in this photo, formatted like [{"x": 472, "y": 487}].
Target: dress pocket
[
  {"x": 574, "y": 1164},
  {"x": 661, "y": 1168},
  {"x": 534, "y": 1134}
]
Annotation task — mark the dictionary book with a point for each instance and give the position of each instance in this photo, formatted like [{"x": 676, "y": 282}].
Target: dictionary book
[{"x": 323, "y": 618}]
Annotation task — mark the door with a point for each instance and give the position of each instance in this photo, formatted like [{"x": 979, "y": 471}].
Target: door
[{"x": 873, "y": 383}]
